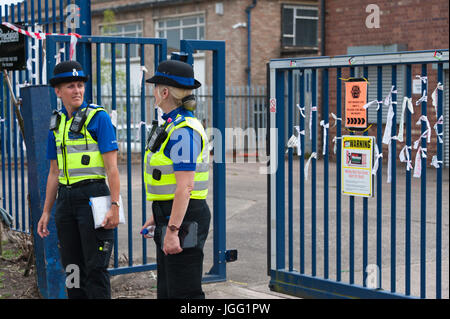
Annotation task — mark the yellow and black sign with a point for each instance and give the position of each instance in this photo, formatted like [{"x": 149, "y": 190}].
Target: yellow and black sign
[
  {"x": 357, "y": 160},
  {"x": 355, "y": 99}
]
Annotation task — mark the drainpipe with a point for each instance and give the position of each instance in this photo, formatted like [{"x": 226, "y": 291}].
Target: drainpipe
[
  {"x": 322, "y": 27},
  {"x": 249, "y": 42}
]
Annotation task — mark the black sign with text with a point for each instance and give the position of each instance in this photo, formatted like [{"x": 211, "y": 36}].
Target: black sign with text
[{"x": 12, "y": 49}]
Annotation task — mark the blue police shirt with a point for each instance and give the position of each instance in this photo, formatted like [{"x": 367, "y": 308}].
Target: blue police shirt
[
  {"x": 185, "y": 144},
  {"x": 100, "y": 122}
]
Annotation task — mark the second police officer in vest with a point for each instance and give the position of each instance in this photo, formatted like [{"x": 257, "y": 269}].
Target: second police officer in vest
[
  {"x": 82, "y": 150},
  {"x": 176, "y": 178}
]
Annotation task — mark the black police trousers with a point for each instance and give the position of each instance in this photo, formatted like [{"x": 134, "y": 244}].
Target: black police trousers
[
  {"x": 84, "y": 250},
  {"x": 179, "y": 276}
]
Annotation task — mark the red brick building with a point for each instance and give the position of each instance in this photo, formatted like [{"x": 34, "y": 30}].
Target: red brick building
[{"x": 289, "y": 29}]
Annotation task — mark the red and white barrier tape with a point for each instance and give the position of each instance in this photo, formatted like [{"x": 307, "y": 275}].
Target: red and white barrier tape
[{"x": 41, "y": 36}]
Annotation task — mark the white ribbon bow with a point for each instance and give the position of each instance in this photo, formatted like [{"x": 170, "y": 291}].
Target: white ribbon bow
[
  {"x": 299, "y": 142},
  {"x": 302, "y": 110},
  {"x": 407, "y": 101},
  {"x": 404, "y": 157},
  {"x": 378, "y": 155},
  {"x": 421, "y": 152},
  {"x": 423, "y": 98},
  {"x": 334, "y": 116},
  {"x": 439, "y": 135},
  {"x": 423, "y": 78},
  {"x": 374, "y": 102},
  {"x": 325, "y": 130},
  {"x": 428, "y": 130},
  {"x": 388, "y": 99},
  {"x": 313, "y": 155},
  {"x": 335, "y": 144},
  {"x": 434, "y": 96},
  {"x": 435, "y": 162},
  {"x": 388, "y": 129}
]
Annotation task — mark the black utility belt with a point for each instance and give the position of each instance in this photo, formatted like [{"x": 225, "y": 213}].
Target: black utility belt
[{"x": 83, "y": 183}]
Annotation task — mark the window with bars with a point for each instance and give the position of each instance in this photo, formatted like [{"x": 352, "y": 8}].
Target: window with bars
[
  {"x": 133, "y": 29},
  {"x": 180, "y": 28},
  {"x": 299, "y": 26}
]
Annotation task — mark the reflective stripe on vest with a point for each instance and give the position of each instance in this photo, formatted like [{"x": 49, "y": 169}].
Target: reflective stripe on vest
[
  {"x": 164, "y": 188},
  {"x": 72, "y": 153}
]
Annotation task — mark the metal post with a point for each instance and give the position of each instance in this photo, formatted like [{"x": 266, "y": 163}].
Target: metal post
[
  {"x": 36, "y": 105},
  {"x": 218, "y": 270},
  {"x": 84, "y": 50}
]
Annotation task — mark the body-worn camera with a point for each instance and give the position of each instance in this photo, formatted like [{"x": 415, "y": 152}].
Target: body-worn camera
[
  {"x": 157, "y": 139},
  {"x": 55, "y": 119},
  {"x": 157, "y": 136},
  {"x": 78, "y": 121}
]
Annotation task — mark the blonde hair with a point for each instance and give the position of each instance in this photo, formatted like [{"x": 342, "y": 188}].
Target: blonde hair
[{"x": 178, "y": 94}]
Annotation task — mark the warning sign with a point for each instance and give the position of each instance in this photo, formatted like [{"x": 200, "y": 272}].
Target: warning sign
[
  {"x": 355, "y": 99},
  {"x": 357, "y": 158}
]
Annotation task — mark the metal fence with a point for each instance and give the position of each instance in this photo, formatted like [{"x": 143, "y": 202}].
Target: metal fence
[
  {"x": 326, "y": 244},
  {"x": 245, "y": 111}
]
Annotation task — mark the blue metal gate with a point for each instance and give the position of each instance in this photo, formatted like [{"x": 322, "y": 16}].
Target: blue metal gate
[
  {"x": 326, "y": 245},
  {"x": 89, "y": 52}
]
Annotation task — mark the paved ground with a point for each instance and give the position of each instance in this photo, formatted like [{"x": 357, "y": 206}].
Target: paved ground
[
  {"x": 247, "y": 231},
  {"x": 246, "y": 198}
]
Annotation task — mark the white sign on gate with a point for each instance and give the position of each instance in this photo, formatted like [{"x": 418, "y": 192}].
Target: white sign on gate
[{"x": 356, "y": 165}]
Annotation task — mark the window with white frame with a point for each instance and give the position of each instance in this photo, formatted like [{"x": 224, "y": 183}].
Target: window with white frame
[
  {"x": 299, "y": 26},
  {"x": 180, "y": 28},
  {"x": 131, "y": 29}
]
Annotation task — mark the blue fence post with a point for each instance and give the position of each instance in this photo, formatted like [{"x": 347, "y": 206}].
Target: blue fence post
[
  {"x": 439, "y": 187},
  {"x": 36, "y": 111},
  {"x": 218, "y": 270},
  {"x": 84, "y": 49}
]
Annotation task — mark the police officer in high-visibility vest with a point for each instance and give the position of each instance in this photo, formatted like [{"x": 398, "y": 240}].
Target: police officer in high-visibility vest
[
  {"x": 176, "y": 171},
  {"x": 82, "y": 150}
]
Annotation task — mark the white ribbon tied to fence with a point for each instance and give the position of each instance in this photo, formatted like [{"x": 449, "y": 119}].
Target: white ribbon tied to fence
[
  {"x": 428, "y": 130},
  {"x": 440, "y": 121},
  {"x": 423, "y": 98},
  {"x": 378, "y": 155},
  {"x": 407, "y": 102},
  {"x": 313, "y": 155},
  {"x": 374, "y": 102},
  {"x": 421, "y": 153},
  {"x": 302, "y": 110},
  {"x": 299, "y": 142},
  {"x": 405, "y": 158},
  {"x": 335, "y": 143},
  {"x": 390, "y": 116},
  {"x": 435, "y": 162},
  {"x": 334, "y": 116},
  {"x": 424, "y": 79},
  {"x": 434, "y": 96},
  {"x": 325, "y": 130}
]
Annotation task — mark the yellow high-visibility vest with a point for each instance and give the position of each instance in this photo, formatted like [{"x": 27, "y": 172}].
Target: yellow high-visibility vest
[
  {"x": 164, "y": 188},
  {"x": 73, "y": 154}
]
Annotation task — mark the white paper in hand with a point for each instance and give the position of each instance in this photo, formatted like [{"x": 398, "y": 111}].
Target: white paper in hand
[{"x": 100, "y": 206}]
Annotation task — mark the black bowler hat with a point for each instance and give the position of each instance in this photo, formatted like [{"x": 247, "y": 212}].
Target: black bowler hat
[
  {"x": 68, "y": 71},
  {"x": 175, "y": 73}
]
